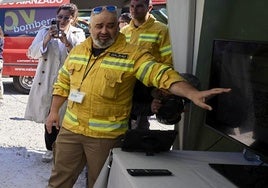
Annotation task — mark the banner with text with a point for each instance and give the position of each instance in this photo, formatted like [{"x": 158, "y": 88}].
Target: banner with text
[{"x": 18, "y": 22}]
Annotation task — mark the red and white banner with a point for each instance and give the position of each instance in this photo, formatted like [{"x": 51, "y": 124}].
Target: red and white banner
[{"x": 32, "y": 3}]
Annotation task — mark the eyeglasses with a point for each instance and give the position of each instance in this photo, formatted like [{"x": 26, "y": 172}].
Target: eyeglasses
[
  {"x": 65, "y": 18},
  {"x": 98, "y": 10}
]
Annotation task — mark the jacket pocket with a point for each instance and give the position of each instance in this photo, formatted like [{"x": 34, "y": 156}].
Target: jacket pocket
[
  {"x": 76, "y": 73},
  {"x": 111, "y": 85}
]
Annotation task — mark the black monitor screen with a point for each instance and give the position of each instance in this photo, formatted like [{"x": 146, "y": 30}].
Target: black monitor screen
[{"x": 242, "y": 114}]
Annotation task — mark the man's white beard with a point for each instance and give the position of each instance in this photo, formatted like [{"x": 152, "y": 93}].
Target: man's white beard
[{"x": 103, "y": 45}]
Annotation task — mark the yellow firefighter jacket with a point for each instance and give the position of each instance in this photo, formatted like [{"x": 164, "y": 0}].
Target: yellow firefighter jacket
[
  {"x": 152, "y": 35},
  {"x": 107, "y": 81}
]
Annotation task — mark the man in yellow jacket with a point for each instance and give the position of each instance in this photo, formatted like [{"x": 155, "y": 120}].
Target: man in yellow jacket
[
  {"x": 97, "y": 79},
  {"x": 146, "y": 31}
]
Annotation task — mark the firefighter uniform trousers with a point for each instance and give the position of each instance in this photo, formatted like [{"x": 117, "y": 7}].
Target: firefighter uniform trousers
[{"x": 80, "y": 147}]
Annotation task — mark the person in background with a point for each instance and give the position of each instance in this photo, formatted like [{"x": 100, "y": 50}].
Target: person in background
[
  {"x": 146, "y": 31},
  {"x": 1, "y": 62},
  {"x": 124, "y": 19},
  {"x": 51, "y": 46},
  {"x": 97, "y": 79}
]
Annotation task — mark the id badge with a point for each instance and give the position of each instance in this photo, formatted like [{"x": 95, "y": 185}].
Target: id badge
[{"x": 76, "y": 96}]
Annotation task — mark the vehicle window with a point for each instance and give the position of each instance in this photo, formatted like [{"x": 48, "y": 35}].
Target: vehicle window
[
  {"x": 160, "y": 15},
  {"x": 83, "y": 21},
  {"x": 83, "y": 25}
]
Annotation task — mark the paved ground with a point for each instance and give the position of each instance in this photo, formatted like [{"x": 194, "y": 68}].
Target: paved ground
[{"x": 22, "y": 145}]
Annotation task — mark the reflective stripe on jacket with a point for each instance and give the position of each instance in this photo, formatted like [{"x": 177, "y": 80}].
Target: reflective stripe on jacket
[{"x": 107, "y": 81}]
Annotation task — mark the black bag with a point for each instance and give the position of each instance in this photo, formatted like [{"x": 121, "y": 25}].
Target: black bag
[{"x": 148, "y": 141}]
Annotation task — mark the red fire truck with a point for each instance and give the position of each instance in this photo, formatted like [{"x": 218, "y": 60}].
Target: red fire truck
[{"x": 20, "y": 22}]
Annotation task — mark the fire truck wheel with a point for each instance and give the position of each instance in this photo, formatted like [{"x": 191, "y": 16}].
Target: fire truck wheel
[{"x": 23, "y": 84}]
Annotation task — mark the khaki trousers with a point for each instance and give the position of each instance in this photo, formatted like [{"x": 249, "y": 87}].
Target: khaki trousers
[{"x": 72, "y": 151}]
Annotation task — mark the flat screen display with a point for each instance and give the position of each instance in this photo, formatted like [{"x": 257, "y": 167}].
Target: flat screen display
[{"x": 241, "y": 115}]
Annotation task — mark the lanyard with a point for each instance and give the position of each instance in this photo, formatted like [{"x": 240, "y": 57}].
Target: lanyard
[{"x": 87, "y": 70}]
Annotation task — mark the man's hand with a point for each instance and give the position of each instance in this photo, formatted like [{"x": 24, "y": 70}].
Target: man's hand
[
  {"x": 184, "y": 89},
  {"x": 52, "y": 120},
  {"x": 199, "y": 97},
  {"x": 156, "y": 105}
]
